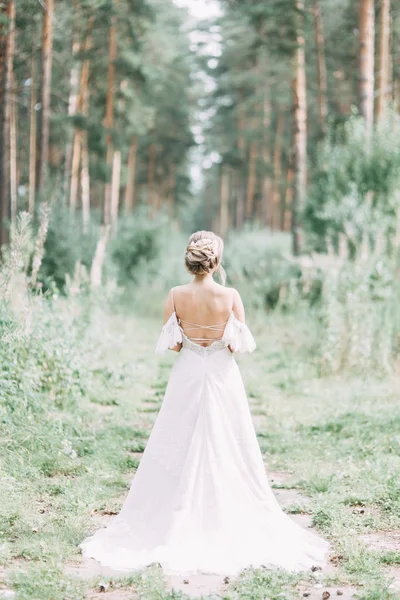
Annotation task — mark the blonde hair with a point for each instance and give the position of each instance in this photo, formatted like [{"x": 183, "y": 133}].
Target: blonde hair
[{"x": 204, "y": 254}]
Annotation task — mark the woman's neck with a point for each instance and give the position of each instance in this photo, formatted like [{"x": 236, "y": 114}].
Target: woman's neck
[{"x": 203, "y": 279}]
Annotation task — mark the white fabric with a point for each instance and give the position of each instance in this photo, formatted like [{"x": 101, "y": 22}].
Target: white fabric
[
  {"x": 170, "y": 335},
  {"x": 200, "y": 500},
  {"x": 236, "y": 335}
]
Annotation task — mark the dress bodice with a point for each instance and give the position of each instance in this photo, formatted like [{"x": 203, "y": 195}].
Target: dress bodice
[{"x": 236, "y": 335}]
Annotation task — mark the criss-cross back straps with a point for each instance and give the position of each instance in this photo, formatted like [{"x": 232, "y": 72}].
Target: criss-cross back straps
[{"x": 197, "y": 326}]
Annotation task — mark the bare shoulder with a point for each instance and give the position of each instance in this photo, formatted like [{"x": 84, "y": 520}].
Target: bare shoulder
[
  {"x": 178, "y": 289},
  {"x": 233, "y": 293}
]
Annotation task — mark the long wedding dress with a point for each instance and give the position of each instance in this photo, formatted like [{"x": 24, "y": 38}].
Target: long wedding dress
[{"x": 200, "y": 501}]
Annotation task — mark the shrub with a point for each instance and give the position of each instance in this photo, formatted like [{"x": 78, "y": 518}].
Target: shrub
[
  {"x": 66, "y": 244},
  {"x": 354, "y": 184},
  {"x": 138, "y": 245}
]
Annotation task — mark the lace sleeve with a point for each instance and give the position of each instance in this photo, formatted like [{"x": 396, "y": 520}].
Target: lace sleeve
[
  {"x": 170, "y": 335},
  {"x": 238, "y": 336}
]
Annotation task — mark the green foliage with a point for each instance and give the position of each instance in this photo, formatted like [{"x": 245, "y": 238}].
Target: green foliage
[
  {"x": 256, "y": 264},
  {"x": 67, "y": 242},
  {"x": 138, "y": 245},
  {"x": 355, "y": 184},
  {"x": 257, "y": 584},
  {"x": 46, "y": 583}
]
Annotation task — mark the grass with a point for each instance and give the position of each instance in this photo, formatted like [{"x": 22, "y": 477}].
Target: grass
[{"x": 336, "y": 438}]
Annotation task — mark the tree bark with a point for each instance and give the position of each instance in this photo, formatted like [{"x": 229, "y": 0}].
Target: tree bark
[
  {"x": 73, "y": 98},
  {"x": 224, "y": 201},
  {"x": 171, "y": 190},
  {"x": 289, "y": 193},
  {"x": 115, "y": 187},
  {"x": 13, "y": 153},
  {"x": 396, "y": 94},
  {"x": 383, "y": 66},
  {"x": 109, "y": 121},
  {"x": 76, "y": 161},
  {"x": 80, "y": 136},
  {"x": 130, "y": 184},
  {"x": 7, "y": 46},
  {"x": 85, "y": 182},
  {"x": 366, "y": 61},
  {"x": 276, "y": 208},
  {"x": 33, "y": 134},
  {"x": 321, "y": 67},
  {"x": 251, "y": 180},
  {"x": 267, "y": 195},
  {"x": 151, "y": 170},
  {"x": 299, "y": 131},
  {"x": 241, "y": 143},
  {"x": 47, "y": 57}
]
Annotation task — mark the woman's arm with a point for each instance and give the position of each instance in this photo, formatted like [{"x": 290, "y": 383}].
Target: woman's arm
[
  {"x": 169, "y": 308},
  {"x": 238, "y": 308}
]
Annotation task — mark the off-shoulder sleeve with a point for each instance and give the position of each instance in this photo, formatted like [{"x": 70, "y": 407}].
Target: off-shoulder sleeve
[
  {"x": 238, "y": 336},
  {"x": 170, "y": 335}
]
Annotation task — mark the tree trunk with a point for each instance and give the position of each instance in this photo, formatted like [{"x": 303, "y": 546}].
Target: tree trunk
[
  {"x": 130, "y": 184},
  {"x": 32, "y": 133},
  {"x": 13, "y": 153},
  {"x": 241, "y": 127},
  {"x": 241, "y": 142},
  {"x": 289, "y": 193},
  {"x": 266, "y": 205},
  {"x": 7, "y": 45},
  {"x": 47, "y": 57},
  {"x": 84, "y": 107},
  {"x": 115, "y": 187},
  {"x": 321, "y": 67},
  {"x": 76, "y": 161},
  {"x": 171, "y": 191},
  {"x": 251, "y": 180},
  {"x": 396, "y": 94},
  {"x": 366, "y": 58},
  {"x": 299, "y": 131},
  {"x": 73, "y": 99},
  {"x": 151, "y": 179},
  {"x": 276, "y": 209},
  {"x": 85, "y": 182},
  {"x": 96, "y": 271},
  {"x": 109, "y": 121},
  {"x": 383, "y": 66},
  {"x": 224, "y": 201},
  {"x": 80, "y": 136}
]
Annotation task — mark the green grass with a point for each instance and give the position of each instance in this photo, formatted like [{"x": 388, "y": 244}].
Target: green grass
[{"x": 336, "y": 437}]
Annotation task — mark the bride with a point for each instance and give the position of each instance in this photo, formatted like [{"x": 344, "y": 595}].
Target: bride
[{"x": 200, "y": 501}]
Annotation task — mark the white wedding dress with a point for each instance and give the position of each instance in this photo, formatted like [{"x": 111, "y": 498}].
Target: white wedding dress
[{"x": 200, "y": 501}]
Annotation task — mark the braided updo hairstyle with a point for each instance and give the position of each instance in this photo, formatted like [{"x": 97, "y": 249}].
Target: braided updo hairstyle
[{"x": 204, "y": 254}]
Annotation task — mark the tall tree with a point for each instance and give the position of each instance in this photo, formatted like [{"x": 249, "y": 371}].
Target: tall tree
[
  {"x": 7, "y": 47},
  {"x": 321, "y": 66},
  {"x": 47, "y": 60},
  {"x": 109, "y": 122},
  {"x": 33, "y": 132},
  {"x": 299, "y": 130},
  {"x": 383, "y": 95},
  {"x": 130, "y": 185},
  {"x": 366, "y": 60}
]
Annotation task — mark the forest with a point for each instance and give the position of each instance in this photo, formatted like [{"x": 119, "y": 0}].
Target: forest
[{"x": 125, "y": 126}]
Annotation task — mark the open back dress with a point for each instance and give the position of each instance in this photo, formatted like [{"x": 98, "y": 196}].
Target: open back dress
[{"x": 200, "y": 501}]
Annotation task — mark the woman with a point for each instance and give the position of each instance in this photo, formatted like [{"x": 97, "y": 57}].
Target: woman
[{"x": 200, "y": 500}]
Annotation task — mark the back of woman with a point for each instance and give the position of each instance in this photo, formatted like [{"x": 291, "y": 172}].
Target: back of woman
[{"x": 203, "y": 310}]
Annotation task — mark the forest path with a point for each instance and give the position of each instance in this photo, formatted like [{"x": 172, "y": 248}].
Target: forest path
[{"x": 270, "y": 404}]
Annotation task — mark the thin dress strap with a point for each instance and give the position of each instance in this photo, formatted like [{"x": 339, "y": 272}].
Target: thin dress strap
[{"x": 172, "y": 299}]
